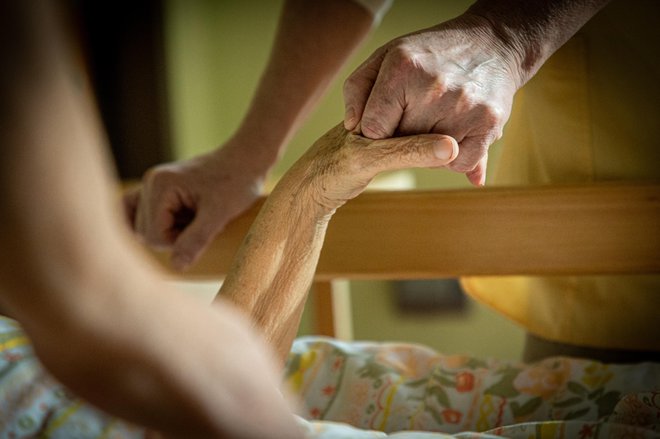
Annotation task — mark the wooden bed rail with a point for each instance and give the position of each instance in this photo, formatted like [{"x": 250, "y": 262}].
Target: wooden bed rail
[{"x": 553, "y": 230}]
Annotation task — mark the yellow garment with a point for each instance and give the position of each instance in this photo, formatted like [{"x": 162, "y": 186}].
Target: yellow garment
[{"x": 592, "y": 113}]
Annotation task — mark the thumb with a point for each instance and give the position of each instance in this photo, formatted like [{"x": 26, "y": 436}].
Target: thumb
[
  {"x": 194, "y": 240},
  {"x": 421, "y": 151},
  {"x": 357, "y": 89}
]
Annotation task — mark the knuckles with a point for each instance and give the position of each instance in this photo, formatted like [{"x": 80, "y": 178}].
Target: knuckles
[
  {"x": 469, "y": 155},
  {"x": 408, "y": 65},
  {"x": 402, "y": 60},
  {"x": 160, "y": 177},
  {"x": 492, "y": 117}
]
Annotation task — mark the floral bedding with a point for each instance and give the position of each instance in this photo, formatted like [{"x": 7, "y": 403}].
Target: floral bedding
[
  {"x": 394, "y": 387},
  {"x": 371, "y": 390}
]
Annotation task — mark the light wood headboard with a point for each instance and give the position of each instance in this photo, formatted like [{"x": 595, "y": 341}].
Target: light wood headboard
[{"x": 581, "y": 229}]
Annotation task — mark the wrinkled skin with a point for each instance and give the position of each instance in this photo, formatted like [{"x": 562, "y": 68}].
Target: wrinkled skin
[
  {"x": 457, "y": 78},
  {"x": 273, "y": 269}
]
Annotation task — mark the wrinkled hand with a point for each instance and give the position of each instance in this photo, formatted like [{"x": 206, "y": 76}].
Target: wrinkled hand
[
  {"x": 341, "y": 164},
  {"x": 456, "y": 78},
  {"x": 182, "y": 206},
  {"x": 274, "y": 267}
]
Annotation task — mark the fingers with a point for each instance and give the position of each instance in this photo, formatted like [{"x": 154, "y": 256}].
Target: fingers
[
  {"x": 357, "y": 89},
  {"x": 166, "y": 221},
  {"x": 477, "y": 176},
  {"x": 182, "y": 206},
  {"x": 421, "y": 151},
  {"x": 472, "y": 158},
  {"x": 435, "y": 81},
  {"x": 384, "y": 108},
  {"x": 344, "y": 163},
  {"x": 185, "y": 230},
  {"x": 195, "y": 239},
  {"x": 157, "y": 217}
]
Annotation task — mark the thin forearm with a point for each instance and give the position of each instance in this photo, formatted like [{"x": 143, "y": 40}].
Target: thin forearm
[
  {"x": 313, "y": 42},
  {"x": 274, "y": 267},
  {"x": 272, "y": 273},
  {"x": 535, "y": 29}
]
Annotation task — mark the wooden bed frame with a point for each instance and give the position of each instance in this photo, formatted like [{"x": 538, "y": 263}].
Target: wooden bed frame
[{"x": 605, "y": 228}]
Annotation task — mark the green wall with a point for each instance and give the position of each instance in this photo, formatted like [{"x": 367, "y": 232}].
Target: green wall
[{"x": 216, "y": 52}]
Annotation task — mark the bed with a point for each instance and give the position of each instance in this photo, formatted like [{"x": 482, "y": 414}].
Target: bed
[
  {"x": 361, "y": 389},
  {"x": 393, "y": 387},
  {"x": 542, "y": 230}
]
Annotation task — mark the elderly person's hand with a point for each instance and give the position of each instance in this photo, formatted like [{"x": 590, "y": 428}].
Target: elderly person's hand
[
  {"x": 273, "y": 269},
  {"x": 457, "y": 78},
  {"x": 340, "y": 165}
]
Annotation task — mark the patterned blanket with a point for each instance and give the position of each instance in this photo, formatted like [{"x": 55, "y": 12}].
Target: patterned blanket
[
  {"x": 395, "y": 387},
  {"x": 370, "y": 390}
]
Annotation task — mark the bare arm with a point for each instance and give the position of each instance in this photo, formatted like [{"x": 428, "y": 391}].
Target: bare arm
[
  {"x": 101, "y": 318},
  {"x": 274, "y": 267},
  {"x": 313, "y": 41},
  {"x": 459, "y": 77},
  {"x": 533, "y": 30}
]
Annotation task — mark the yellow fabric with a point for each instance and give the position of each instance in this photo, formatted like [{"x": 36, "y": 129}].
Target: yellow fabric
[{"x": 592, "y": 113}]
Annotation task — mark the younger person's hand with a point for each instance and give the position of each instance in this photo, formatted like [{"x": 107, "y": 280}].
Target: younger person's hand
[{"x": 182, "y": 206}]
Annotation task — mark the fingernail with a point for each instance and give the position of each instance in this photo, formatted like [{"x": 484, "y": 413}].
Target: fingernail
[{"x": 444, "y": 150}]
